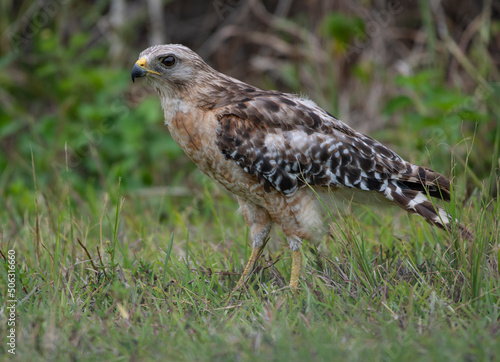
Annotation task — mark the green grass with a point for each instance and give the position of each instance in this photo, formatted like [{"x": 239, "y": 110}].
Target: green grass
[{"x": 128, "y": 276}]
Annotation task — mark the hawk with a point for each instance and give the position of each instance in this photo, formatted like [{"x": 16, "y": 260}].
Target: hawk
[{"x": 280, "y": 153}]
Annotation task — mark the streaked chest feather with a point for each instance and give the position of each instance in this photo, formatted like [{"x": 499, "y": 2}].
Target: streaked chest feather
[{"x": 195, "y": 133}]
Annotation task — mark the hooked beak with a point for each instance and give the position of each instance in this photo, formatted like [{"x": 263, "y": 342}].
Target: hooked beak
[{"x": 139, "y": 70}]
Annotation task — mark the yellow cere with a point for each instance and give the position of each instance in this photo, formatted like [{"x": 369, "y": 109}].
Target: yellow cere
[{"x": 142, "y": 63}]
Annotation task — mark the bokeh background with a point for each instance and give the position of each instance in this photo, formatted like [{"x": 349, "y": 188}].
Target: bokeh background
[{"x": 420, "y": 76}]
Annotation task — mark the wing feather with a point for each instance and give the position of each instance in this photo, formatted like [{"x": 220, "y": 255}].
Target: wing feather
[{"x": 288, "y": 142}]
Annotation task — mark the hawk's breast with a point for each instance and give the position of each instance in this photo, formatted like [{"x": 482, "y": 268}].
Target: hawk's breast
[{"x": 195, "y": 133}]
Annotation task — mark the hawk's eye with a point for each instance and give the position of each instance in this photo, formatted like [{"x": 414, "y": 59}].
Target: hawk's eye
[{"x": 168, "y": 61}]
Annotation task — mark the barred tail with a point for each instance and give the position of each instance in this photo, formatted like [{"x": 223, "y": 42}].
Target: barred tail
[{"x": 409, "y": 192}]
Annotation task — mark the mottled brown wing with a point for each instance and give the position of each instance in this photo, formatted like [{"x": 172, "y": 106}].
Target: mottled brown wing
[{"x": 287, "y": 142}]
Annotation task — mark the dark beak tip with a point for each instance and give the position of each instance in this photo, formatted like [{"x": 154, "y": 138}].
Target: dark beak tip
[{"x": 137, "y": 72}]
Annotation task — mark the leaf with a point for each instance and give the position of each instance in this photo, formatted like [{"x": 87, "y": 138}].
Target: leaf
[
  {"x": 396, "y": 104},
  {"x": 342, "y": 27}
]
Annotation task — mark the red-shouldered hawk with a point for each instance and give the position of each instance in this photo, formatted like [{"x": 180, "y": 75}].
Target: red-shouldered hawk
[{"x": 279, "y": 152}]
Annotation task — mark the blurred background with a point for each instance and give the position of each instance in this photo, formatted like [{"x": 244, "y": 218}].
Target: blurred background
[{"x": 420, "y": 76}]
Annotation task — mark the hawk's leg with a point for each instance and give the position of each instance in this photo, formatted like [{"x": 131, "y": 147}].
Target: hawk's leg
[
  {"x": 259, "y": 222},
  {"x": 295, "y": 244}
]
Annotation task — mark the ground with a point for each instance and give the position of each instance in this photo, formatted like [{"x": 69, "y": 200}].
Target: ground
[{"x": 383, "y": 287}]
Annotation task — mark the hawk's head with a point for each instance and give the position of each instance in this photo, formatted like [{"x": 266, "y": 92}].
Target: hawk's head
[{"x": 171, "y": 67}]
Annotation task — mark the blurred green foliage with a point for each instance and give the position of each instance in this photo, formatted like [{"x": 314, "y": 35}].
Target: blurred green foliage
[
  {"x": 343, "y": 28},
  {"x": 437, "y": 118},
  {"x": 75, "y": 113}
]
